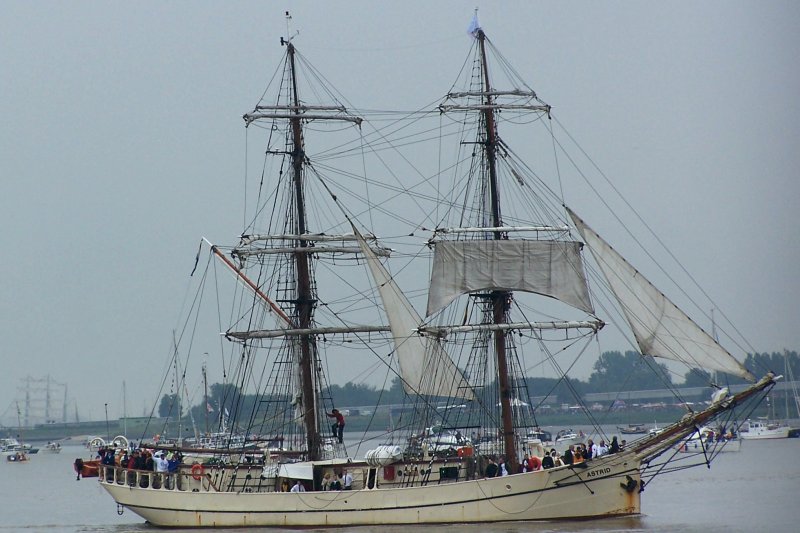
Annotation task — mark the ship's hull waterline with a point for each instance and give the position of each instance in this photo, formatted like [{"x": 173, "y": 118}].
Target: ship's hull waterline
[{"x": 602, "y": 488}]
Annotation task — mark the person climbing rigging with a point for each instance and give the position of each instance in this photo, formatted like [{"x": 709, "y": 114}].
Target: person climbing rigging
[{"x": 338, "y": 426}]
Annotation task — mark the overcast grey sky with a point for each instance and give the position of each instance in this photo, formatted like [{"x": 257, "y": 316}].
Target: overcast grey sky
[{"x": 121, "y": 143}]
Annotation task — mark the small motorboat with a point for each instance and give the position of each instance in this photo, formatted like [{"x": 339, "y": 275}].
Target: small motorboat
[{"x": 17, "y": 457}]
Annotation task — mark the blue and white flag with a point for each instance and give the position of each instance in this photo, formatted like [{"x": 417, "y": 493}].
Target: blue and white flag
[{"x": 474, "y": 25}]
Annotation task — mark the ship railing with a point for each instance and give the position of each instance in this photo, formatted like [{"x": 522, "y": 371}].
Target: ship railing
[
  {"x": 147, "y": 479},
  {"x": 184, "y": 480}
]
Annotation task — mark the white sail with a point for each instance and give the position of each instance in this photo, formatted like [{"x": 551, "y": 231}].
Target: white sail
[
  {"x": 550, "y": 268},
  {"x": 661, "y": 329},
  {"x": 424, "y": 365}
]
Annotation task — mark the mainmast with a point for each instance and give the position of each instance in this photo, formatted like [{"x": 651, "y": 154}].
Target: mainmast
[
  {"x": 304, "y": 304},
  {"x": 499, "y": 299}
]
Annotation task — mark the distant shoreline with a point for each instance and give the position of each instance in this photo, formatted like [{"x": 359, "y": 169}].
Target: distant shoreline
[{"x": 82, "y": 431}]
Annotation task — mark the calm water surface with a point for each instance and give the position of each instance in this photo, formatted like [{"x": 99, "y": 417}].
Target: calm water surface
[{"x": 755, "y": 489}]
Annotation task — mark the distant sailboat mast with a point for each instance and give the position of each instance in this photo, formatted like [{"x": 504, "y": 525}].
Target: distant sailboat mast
[
  {"x": 124, "y": 409},
  {"x": 64, "y": 408},
  {"x": 205, "y": 397},
  {"x": 792, "y": 387}
]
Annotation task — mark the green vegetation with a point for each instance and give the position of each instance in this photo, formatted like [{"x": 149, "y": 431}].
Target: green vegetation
[{"x": 612, "y": 372}]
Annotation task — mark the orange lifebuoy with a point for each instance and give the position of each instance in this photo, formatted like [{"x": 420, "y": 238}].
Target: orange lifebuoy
[{"x": 197, "y": 471}]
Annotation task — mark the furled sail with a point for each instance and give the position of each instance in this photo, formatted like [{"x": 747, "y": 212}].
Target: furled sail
[
  {"x": 550, "y": 268},
  {"x": 424, "y": 365},
  {"x": 661, "y": 329}
]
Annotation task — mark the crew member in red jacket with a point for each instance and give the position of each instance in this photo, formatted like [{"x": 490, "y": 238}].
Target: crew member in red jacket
[{"x": 338, "y": 426}]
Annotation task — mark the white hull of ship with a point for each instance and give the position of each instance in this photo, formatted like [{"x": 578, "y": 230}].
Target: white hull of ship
[
  {"x": 597, "y": 490},
  {"x": 777, "y": 433},
  {"x": 764, "y": 429},
  {"x": 561, "y": 445}
]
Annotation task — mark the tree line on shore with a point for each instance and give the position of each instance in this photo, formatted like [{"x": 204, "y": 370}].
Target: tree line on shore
[{"x": 613, "y": 371}]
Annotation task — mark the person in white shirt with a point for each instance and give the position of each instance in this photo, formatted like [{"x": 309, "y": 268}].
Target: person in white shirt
[
  {"x": 159, "y": 463},
  {"x": 557, "y": 460},
  {"x": 298, "y": 487},
  {"x": 348, "y": 480},
  {"x": 602, "y": 449},
  {"x": 502, "y": 466}
]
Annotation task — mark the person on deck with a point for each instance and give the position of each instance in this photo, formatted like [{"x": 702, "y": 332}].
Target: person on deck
[
  {"x": 569, "y": 455},
  {"x": 347, "y": 480},
  {"x": 160, "y": 464},
  {"x": 602, "y": 449},
  {"x": 138, "y": 461},
  {"x": 338, "y": 426},
  {"x": 614, "y": 448},
  {"x": 298, "y": 487},
  {"x": 591, "y": 450},
  {"x": 547, "y": 461},
  {"x": 557, "y": 460},
  {"x": 173, "y": 463},
  {"x": 578, "y": 455},
  {"x": 534, "y": 463},
  {"x": 491, "y": 468},
  {"x": 501, "y": 467}
]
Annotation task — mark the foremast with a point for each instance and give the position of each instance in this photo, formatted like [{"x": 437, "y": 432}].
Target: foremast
[
  {"x": 499, "y": 299},
  {"x": 297, "y": 326},
  {"x": 304, "y": 305}
]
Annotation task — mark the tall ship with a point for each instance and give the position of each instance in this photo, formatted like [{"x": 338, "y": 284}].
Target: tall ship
[{"x": 314, "y": 286}]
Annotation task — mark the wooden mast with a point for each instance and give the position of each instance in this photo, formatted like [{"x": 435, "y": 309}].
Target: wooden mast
[
  {"x": 500, "y": 299},
  {"x": 304, "y": 305},
  {"x": 301, "y": 323}
]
